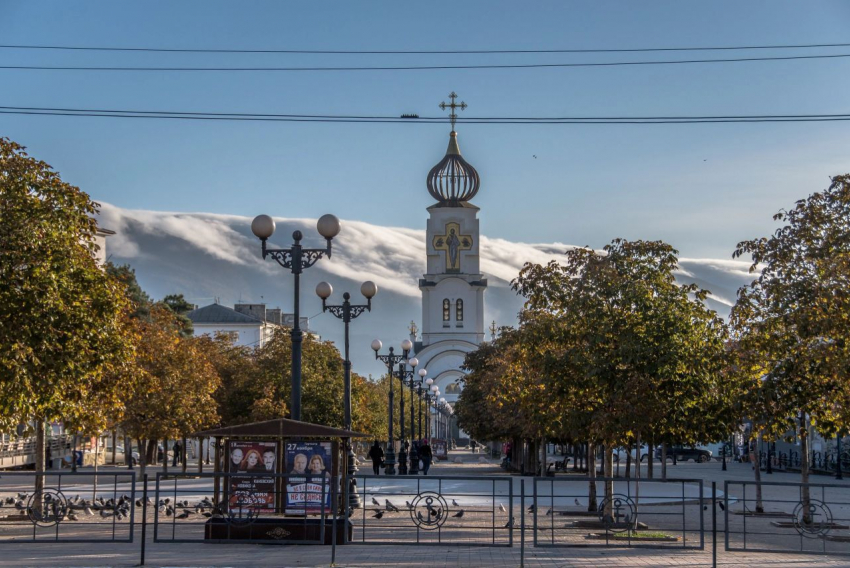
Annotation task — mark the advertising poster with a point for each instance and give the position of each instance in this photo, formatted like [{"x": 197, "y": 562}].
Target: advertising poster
[
  {"x": 309, "y": 466},
  {"x": 438, "y": 448},
  {"x": 252, "y": 491}
]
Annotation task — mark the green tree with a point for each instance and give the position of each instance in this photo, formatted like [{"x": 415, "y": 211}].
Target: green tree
[
  {"x": 791, "y": 324},
  {"x": 61, "y": 317}
]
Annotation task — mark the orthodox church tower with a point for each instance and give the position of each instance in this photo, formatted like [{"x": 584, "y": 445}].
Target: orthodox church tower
[{"x": 453, "y": 287}]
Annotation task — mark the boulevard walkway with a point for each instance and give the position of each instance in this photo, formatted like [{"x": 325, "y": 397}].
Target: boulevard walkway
[{"x": 44, "y": 554}]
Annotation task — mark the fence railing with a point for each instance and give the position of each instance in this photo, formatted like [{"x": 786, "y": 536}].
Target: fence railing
[
  {"x": 255, "y": 507},
  {"x": 783, "y": 519},
  {"x": 435, "y": 510},
  {"x": 569, "y": 511},
  {"x": 67, "y": 507}
]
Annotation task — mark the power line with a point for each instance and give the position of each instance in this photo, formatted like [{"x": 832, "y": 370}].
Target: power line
[
  {"x": 415, "y": 52},
  {"x": 441, "y": 119},
  {"x": 394, "y": 120},
  {"x": 420, "y": 67}
]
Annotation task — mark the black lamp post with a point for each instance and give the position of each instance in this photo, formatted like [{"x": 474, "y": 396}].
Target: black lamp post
[
  {"x": 296, "y": 259},
  {"x": 391, "y": 361},
  {"x": 426, "y": 383},
  {"x": 402, "y": 375},
  {"x": 414, "y": 445},
  {"x": 347, "y": 312}
]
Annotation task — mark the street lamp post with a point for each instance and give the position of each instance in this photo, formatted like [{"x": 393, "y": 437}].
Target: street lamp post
[
  {"x": 296, "y": 259},
  {"x": 414, "y": 441},
  {"x": 347, "y": 312},
  {"x": 427, "y": 384},
  {"x": 402, "y": 375},
  {"x": 391, "y": 361}
]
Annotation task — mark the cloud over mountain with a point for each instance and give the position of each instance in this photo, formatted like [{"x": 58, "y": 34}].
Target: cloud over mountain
[{"x": 207, "y": 256}]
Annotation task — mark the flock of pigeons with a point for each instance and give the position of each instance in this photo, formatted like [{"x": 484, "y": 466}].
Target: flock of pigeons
[{"x": 117, "y": 508}]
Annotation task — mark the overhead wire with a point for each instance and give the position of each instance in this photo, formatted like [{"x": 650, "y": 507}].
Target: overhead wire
[
  {"x": 415, "y": 67},
  {"x": 251, "y": 117},
  {"x": 418, "y": 52}
]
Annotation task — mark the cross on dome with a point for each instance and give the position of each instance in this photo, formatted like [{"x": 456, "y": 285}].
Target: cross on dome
[{"x": 453, "y": 181}]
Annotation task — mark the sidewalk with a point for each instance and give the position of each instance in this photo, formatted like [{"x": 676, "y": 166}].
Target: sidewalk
[{"x": 48, "y": 554}]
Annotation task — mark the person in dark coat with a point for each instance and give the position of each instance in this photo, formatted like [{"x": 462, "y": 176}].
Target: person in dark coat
[
  {"x": 426, "y": 456},
  {"x": 376, "y": 454}
]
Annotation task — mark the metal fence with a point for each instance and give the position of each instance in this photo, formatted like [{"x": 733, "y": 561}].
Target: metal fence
[
  {"x": 245, "y": 507},
  {"x": 786, "y": 522},
  {"x": 432, "y": 510},
  {"x": 637, "y": 513},
  {"x": 68, "y": 507}
]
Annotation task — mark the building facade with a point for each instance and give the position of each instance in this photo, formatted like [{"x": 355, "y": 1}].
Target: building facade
[{"x": 250, "y": 325}]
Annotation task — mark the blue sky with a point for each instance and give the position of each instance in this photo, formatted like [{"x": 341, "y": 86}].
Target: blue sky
[{"x": 700, "y": 187}]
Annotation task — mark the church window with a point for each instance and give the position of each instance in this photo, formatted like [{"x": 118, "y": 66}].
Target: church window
[
  {"x": 459, "y": 310},
  {"x": 447, "y": 309}
]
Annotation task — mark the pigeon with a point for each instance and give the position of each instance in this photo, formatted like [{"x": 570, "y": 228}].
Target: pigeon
[
  {"x": 19, "y": 504},
  {"x": 375, "y": 502},
  {"x": 531, "y": 509},
  {"x": 409, "y": 506},
  {"x": 72, "y": 517},
  {"x": 207, "y": 514},
  {"x": 183, "y": 515},
  {"x": 459, "y": 514},
  {"x": 9, "y": 501},
  {"x": 378, "y": 515},
  {"x": 549, "y": 512},
  {"x": 454, "y": 503},
  {"x": 22, "y": 495},
  {"x": 577, "y": 503},
  {"x": 502, "y": 508},
  {"x": 105, "y": 513},
  {"x": 510, "y": 524},
  {"x": 169, "y": 511},
  {"x": 138, "y": 502},
  {"x": 391, "y": 507},
  {"x": 722, "y": 507},
  {"x": 88, "y": 510}
]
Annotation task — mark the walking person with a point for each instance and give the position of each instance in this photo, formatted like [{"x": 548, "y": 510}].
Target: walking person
[
  {"x": 426, "y": 456},
  {"x": 177, "y": 449},
  {"x": 376, "y": 454}
]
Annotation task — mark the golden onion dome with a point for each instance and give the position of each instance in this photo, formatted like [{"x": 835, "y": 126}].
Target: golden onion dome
[{"x": 453, "y": 180}]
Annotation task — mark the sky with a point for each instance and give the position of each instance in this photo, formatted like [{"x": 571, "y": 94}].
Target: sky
[{"x": 702, "y": 188}]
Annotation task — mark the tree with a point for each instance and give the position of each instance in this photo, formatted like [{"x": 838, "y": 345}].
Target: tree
[
  {"x": 61, "y": 317},
  {"x": 627, "y": 347},
  {"x": 173, "y": 383},
  {"x": 791, "y": 323}
]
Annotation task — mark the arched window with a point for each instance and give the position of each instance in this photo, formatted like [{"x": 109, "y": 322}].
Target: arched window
[
  {"x": 447, "y": 309},
  {"x": 453, "y": 388},
  {"x": 459, "y": 310}
]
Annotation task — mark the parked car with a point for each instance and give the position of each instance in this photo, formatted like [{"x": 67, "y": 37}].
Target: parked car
[
  {"x": 684, "y": 453},
  {"x": 620, "y": 453}
]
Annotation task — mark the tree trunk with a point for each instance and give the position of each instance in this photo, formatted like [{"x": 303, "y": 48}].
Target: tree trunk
[
  {"x": 94, "y": 481},
  {"x": 757, "y": 472},
  {"x": 200, "y": 455},
  {"x": 114, "y": 445},
  {"x": 164, "y": 455},
  {"x": 183, "y": 454},
  {"x": 637, "y": 455},
  {"x": 39, "y": 462},
  {"x": 664, "y": 461},
  {"x": 804, "y": 470},
  {"x": 609, "y": 483},
  {"x": 650, "y": 455},
  {"x": 592, "y": 505},
  {"x": 128, "y": 451},
  {"x": 143, "y": 456},
  {"x": 628, "y": 462}
]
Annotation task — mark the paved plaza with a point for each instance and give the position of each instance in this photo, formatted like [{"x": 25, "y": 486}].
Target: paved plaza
[{"x": 45, "y": 553}]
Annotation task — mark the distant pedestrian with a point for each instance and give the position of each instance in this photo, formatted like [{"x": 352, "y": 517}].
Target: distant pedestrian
[
  {"x": 376, "y": 454},
  {"x": 426, "y": 456},
  {"x": 177, "y": 448}
]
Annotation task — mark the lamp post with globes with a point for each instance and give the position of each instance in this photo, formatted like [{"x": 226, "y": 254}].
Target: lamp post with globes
[
  {"x": 296, "y": 258},
  {"x": 414, "y": 441},
  {"x": 347, "y": 312},
  {"x": 402, "y": 375},
  {"x": 391, "y": 361},
  {"x": 422, "y": 391}
]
